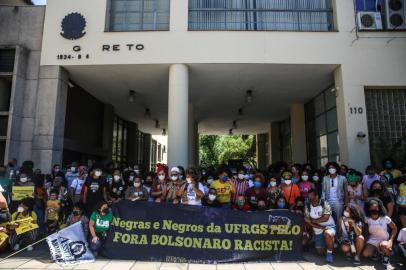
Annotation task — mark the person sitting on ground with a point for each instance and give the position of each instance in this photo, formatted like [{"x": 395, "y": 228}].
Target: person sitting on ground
[
  {"x": 318, "y": 215},
  {"x": 52, "y": 212},
  {"x": 401, "y": 201},
  {"x": 349, "y": 232},
  {"x": 402, "y": 243},
  {"x": 137, "y": 192},
  {"x": 79, "y": 216},
  {"x": 191, "y": 193},
  {"x": 211, "y": 199},
  {"x": 99, "y": 225},
  {"x": 241, "y": 205},
  {"x": 25, "y": 210},
  {"x": 377, "y": 225},
  {"x": 379, "y": 191}
]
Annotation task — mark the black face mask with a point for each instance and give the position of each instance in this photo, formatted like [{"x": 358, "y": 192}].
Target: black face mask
[
  {"x": 376, "y": 192},
  {"x": 10, "y": 164},
  {"x": 105, "y": 211},
  {"x": 374, "y": 212},
  {"x": 76, "y": 213}
]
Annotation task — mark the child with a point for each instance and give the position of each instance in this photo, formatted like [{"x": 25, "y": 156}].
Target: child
[{"x": 52, "y": 212}]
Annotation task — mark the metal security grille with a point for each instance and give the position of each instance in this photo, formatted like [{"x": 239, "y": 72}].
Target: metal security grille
[
  {"x": 386, "y": 116},
  {"x": 139, "y": 15},
  {"x": 261, "y": 15}
]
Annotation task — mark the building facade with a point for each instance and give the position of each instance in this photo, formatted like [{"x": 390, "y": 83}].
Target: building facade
[{"x": 315, "y": 80}]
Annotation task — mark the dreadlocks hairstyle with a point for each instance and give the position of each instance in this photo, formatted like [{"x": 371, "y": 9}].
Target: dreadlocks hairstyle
[
  {"x": 372, "y": 201},
  {"x": 356, "y": 213}
]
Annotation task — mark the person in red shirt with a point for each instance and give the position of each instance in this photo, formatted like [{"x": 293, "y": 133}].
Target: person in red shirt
[
  {"x": 257, "y": 193},
  {"x": 241, "y": 205},
  {"x": 290, "y": 191}
]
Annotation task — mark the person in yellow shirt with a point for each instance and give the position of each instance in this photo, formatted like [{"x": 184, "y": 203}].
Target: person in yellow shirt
[
  {"x": 224, "y": 187},
  {"x": 401, "y": 201},
  {"x": 52, "y": 211},
  {"x": 25, "y": 210}
]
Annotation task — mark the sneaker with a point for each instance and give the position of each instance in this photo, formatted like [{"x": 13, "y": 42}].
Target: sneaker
[
  {"x": 16, "y": 247},
  {"x": 375, "y": 258},
  {"x": 357, "y": 260},
  {"x": 329, "y": 257},
  {"x": 385, "y": 260},
  {"x": 30, "y": 248}
]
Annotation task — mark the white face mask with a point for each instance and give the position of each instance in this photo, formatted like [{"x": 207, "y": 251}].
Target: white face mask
[
  {"x": 315, "y": 178},
  {"x": 116, "y": 178},
  {"x": 72, "y": 169},
  {"x": 272, "y": 184},
  {"x": 23, "y": 179},
  {"x": 189, "y": 180},
  {"x": 137, "y": 171},
  {"x": 20, "y": 209},
  {"x": 241, "y": 176},
  {"x": 209, "y": 181},
  {"x": 305, "y": 177},
  {"x": 137, "y": 184},
  {"x": 332, "y": 171},
  {"x": 346, "y": 214},
  {"x": 161, "y": 177},
  {"x": 98, "y": 173},
  {"x": 131, "y": 178},
  {"x": 174, "y": 177},
  {"x": 212, "y": 197},
  {"x": 288, "y": 182},
  {"x": 246, "y": 177}
]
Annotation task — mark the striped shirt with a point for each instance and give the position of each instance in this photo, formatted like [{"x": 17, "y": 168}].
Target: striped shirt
[{"x": 240, "y": 188}]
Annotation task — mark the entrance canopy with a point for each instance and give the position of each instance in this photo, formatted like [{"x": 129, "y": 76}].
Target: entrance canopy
[{"x": 217, "y": 92}]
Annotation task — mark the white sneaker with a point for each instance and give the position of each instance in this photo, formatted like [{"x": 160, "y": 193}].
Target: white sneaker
[
  {"x": 16, "y": 247},
  {"x": 30, "y": 248}
]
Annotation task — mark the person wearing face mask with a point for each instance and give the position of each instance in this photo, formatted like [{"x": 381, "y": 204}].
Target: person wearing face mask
[
  {"x": 77, "y": 185},
  {"x": 56, "y": 172},
  {"x": 24, "y": 210},
  {"x": 379, "y": 191},
  {"x": 317, "y": 181},
  {"x": 159, "y": 188},
  {"x": 281, "y": 203},
  {"x": 318, "y": 216},
  {"x": 137, "y": 170},
  {"x": 305, "y": 184},
  {"x": 224, "y": 187},
  {"x": 116, "y": 190},
  {"x": 295, "y": 170},
  {"x": 241, "y": 205},
  {"x": 377, "y": 225},
  {"x": 334, "y": 189},
  {"x": 181, "y": 173},
  {"x": 12, "y": 170},
  {"x": 94, "y": 189},
  {"x": 343, "y": 170},
  {"x": 401, "y": 201},
  {"x": 274, "y": 191},
  {"x": 174, "y": 186},
  {"x": 257, "y": 193},
  {"x": 349, "y": 231},
  {"x": 240, "y": 184},
  {"x": 369, "y": 177},
  {"x": 389, "y": 167},
  {"x": 354, "y": 189},
  {"x": 191, "y": 193},
  {"x": 137, "y": 192},
  {"x": 72, "y": 173},
  {"x": 99, "y": 225},
  {"x": 211, "y": 199},
  {"x": 78, "y": 215},
  {"x": 289, "y": 190}
]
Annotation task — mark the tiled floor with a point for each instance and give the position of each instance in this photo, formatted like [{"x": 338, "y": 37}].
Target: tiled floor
[{"x": 39, "y": 259}]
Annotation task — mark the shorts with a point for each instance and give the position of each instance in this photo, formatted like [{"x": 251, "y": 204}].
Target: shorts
[
  {"x": 375, "y": 241},
  {"x": 319, "y": 241}
]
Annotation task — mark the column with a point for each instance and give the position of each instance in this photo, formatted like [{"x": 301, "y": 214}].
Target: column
[
  {"x": 178, "y": 107},
  {"x": 261, "y": 151},
  {"x": 108, "y": 127},
  {"x": 193, "y": 138},
  {"x": 350, "y": 92},
  {"x": 298, "y": 133},
  {"x": 49, "y": 127},
  {"x": 275, "y": 142}
]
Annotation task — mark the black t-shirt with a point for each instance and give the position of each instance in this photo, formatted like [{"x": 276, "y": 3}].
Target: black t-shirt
[
  {"x": 213, "y": 204},
  {"x": 95, "y": 189},
  {"x": 117, "y": 190}
]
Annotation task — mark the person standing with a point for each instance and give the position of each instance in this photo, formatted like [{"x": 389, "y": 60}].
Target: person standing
[
  {"x": 241, "y": 185},
  {"x": 224, "y": 188},
  {"x": 72, "y": 174},
  {"x": 94, "y": 190}
]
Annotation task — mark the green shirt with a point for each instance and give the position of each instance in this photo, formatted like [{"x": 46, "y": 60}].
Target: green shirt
[
  {"x": 6, "y": 184},
  {"x": 101, "y": 223}
]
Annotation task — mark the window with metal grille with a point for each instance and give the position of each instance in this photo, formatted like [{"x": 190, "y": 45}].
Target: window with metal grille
[
  {"x": 7, "y": 60},
  {"x": 261, "y": 15},
  {"x": 138, "y": 15}
]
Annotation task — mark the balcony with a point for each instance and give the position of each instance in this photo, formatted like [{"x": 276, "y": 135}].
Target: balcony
[{"x": 261, "y": 15}]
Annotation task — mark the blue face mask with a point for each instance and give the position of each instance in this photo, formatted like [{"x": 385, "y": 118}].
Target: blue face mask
[
  {"x": 257, "y": 184},
  {"x": 281, "y": 205},
  {"x": 224, "y": 178},
  {"x": 388, "y": 165}
]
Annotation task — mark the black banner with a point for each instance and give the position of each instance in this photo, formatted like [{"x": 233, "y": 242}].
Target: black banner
[{"x": 176, "y": 233}]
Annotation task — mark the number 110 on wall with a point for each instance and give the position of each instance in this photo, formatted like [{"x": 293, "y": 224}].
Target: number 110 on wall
[{"x": 356, "y": 110}]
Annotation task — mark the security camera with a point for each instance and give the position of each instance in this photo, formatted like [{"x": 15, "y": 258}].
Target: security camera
[{"x": 361, "y": 135}]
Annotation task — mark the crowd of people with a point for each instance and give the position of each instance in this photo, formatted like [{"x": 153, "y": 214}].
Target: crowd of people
[{"x": 344, "y": 210}]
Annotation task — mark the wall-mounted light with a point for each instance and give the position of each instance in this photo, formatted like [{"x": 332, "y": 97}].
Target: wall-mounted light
[
  {"x": 240, "y": 111},
  {"x": 230, "y": 132},
  {"x": 157, "y": 124},
  {"x": 147, "y": 113},
  {"x": 163, "y": 132},
  {"x": 249, "y": 96},
  {"x": 235, "y": 124},
  {"x": 131, "y": 96}
]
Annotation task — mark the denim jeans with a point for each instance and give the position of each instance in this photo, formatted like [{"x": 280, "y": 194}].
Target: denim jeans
[{"x": 94, "y": 247}]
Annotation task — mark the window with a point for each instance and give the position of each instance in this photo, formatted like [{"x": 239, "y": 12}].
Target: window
[
  {"x": 261, "y": 15},
  {"x": 7, "y": 60},
  {"x": 322, "y": 129},
  {"x": 138, "y": 15},
  {"x": 119, "y": 151}
]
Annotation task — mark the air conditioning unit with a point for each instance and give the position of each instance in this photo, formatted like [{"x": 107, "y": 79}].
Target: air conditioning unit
[
  {"x": 368, "y": 20},
  {"x": 395, "y": 13}
]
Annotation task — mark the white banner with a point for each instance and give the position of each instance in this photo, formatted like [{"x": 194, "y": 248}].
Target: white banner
[{"x": 69, "y": 246}]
